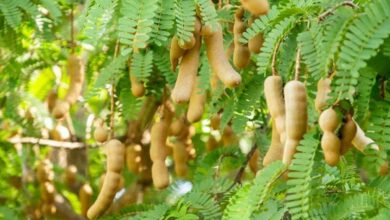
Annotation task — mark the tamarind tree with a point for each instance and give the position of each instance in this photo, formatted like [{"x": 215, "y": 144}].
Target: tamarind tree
[{"x": 194, "y": 109}]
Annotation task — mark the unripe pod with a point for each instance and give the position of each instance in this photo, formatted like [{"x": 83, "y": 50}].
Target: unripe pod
[
  {"x": 106, "y": 195},
  {"x": 253, "y": 162},
  {"x": 330, "y": 143},
  {"x": 197, "y": 103},
  {"x": 60, "y": 109},
  {"x": 218, "y": 60},
  {"x": 160, "y": 174},
  {"x": 175, "y": 52},
  {"x": 348, "y": 132},
  {"x": 323, "y": 89},
  {"x": 85, "y": 196},
  {"x": 100, "y": 134},
  {"x": 273, "y": 87},
  {"x": 296, "y": 117},
  {"x": 133, "y": 157},
  {"x": 275, "y": 150},
  {"x": 256, "y": 7},
  {"x": 115, "y": 155}
]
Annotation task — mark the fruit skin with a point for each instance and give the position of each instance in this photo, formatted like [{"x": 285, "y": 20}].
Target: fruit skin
[
  {"x": 115, "y": 155},
  {"x": 197, "y": 103},
  {"x": 361, "y": 141},
  {"x": 187, "y": 45},
  {"x": 296, "y": 117},
  {"x": 175, "y": 52},
  {"x": 275, "y": 150},
  {"x": 188, "y": 70},
  {"x": 348, "y": 132},
  {"x": 211, "y": 143},
  {"x": 60, "y": 109},
  {"x": 256, "y": 7},
  {"x": 273, "y": 88},
  {"x": 133, "y": 157},
  {"x": 85, "y": 196},
  {"x": 106, "y": 195},
  {"x": 160, "y": 174},
  {"x": 76, "y": 73},
  {"x": 241, "y": 54},
  {"x": 323, "y": 89},
  {"x": 255, "y": 43},
  {"x": 218, "y": 60},
  {"x": 180, "y": 158},
  {"x": 330, "y": 143},
  {"x": 100, "y": 134}
]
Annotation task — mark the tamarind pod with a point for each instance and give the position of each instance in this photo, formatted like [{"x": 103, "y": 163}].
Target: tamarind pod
[
  {"x": 361, "y": 141},
  {"x": 275, "y": 150},
  {"x": 133, "y": 157},
  {"x": 47, "y": 190},
  {"x": 228, "y": 137},
  {"x": 74, "y": 92},
  {"x": 187, "y": 74},
  {"x": 45, "y": 171},
  {"x": 229, "y": 53},
  {"x": 181, "y": 169},
  {"x": 158, "y": 135},
  {"x": 75, "y": 68},
  {"x": 323, "y": 89},
  {"x": 145, "y": 171},
  {"x": 273, "y": 87},
  {"x": 51, "y": 100},
  {"x": 85, "y": 196},
  {"x": 106, "y": 195},
  {"x": 101, "y": 180},
  {"x": 100, "y": 134},
  {"x": 115, "y": 155},
  {"x": 70, "y": 175},
  {"x": 187, "y": 45},
  {"x": 296, "y": 117},
  {"x": 328, "y": 120},
  {"x": 191, "y": 152},
  {"x": 121, "y": 184},
  {"x": 214, "y": 80},
  {"x": 177, "y": 126},
  {"x": 348, "y": 132},
  {"x": 60, "y": 133},
  {"x": 330, "y": 144},
  {"x": 48, "y": 209},
  {"x": 179, "y": 152},
  {"x": 137, "y": 87},
  {"x": 160, "y": 174},
  {"x": 218, "y": 60},
  {"x": 253, "y": 161},
  {"x": 197, "y": 103},
  {"x": 256, "y": 42},
  {"x": 384, "y": 169},
  {"x": 175, "y": 52},
  {"x": 241, "y": 54},
  {"x": 211, "y": 143},
  {"x": 215, "y": 121},
  {"x": 60, "y": 109},
  {"x": 256, "y": 7}
]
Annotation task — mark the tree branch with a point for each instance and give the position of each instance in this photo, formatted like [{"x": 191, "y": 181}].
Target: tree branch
[
  {"x": 330, "y": 11},
  {"x": 47, "y": 142}
]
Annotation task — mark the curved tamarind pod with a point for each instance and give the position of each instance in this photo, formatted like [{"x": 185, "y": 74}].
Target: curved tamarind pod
[
  {"x": 160, "y": 174},
  {"x": 187, "y": 45},
  {"x": 218, "y": 60},
  {"x": 133, "y": 157},
  {"x": 85, "y": 196},
  {"x": 323, "y": 89},
  {"x": 137, "y": 87},
  {"x": 296, "y": 117},
  {"x": 361, "y": 141},
  {"x": 115, "y": 155},
  {"x": 100, "y": 134},
  {"x": 255, "y": 43},
  {"x": 273, "y": 88},
  {"x": 241, "y": 54},
  {"x": 175, "y": 52},
  {"x": 256, "y": 7},
  {"x": 348, "y": 132},
  {"x": 76, "y": 74},
  {"x": 187, "y": 74},
  {"x": 197, "y": 103},
  {"x": 60, "y": 109},
  {"x": 253, "y": 161},
  {"x": 106, "y": 195},
  {"x": 275, "y": 150}
]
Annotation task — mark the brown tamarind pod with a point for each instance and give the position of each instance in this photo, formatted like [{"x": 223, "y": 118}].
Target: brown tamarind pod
[
  {"x": 51, "y": 100},
  {"x": 160, "y": 174},
  {"x": 115, "y": 155},
  {"x": 133, "y": 157},
  {"x": 189, "y": 44},
  {"x": 330, "y": 143},
  {"x": 253, "y": 161},
  {"x": 177, "y": 126},
  {"x": 211, "y": 143},
  {"x": 256, "y": 42},
  {"x": 214, "y": 80},
  {"x": 85, "y": 196},
  {"x": 137, "y": 86},
  {"x": 348, "y": 132},
  {"x": 45, "y": 171},
  {"x": 323, "y": 90},
  {"x": 106, "y": 195},
  {"x": 384, "y": 169},
  {"x": 218, "y": 60},
  {"x": 187, "y": 74},
  {"x": 175, "y": 52},
  {"x": 215, "y": 121},
  {"x": 70, "y": 175},
  {"x": 47, "y": 190},
  {"x": 60, "y": 109},
  {"x": 48, "y": 209},
  {"x": 228, "y": 137},
  {"x": 76, "y": 74},
  {"x": 60, "y": 133},
  {"x": 101, "y": 134},
  {"x": 180, "y": 157},
  {"x": 241, "y": 54},
  {"x": 256, "y": 7},
  {"x": 296, "y": 117},
  {"x": 275, "y": 150},
  {"x": 197, "y": 103},
  {"x": 158, "y": 153}
]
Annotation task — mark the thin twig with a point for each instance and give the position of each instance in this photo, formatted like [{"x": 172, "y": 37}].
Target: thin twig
[
  {"x": 273, "y": 64},
  {"x": 72, "y": 43},
  {"x": 112, "y": 97},
  {"x": 47, "y": 142},
  {"x": 330, "y": 11},
  {"x": 298, "y": 64}
]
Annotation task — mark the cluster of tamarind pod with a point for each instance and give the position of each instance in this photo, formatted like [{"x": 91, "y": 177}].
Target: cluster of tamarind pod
[{"x": 45, "y": 177}]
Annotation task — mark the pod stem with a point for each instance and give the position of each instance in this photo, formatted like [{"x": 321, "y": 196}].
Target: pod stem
[
  {"x": 273, "y": 64},
  {"x": 71, "y": 17},
  {"x": 112, "y": 97},
  {"x": 330, "y": 11},
  {"x": 298, "y": 64}
]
